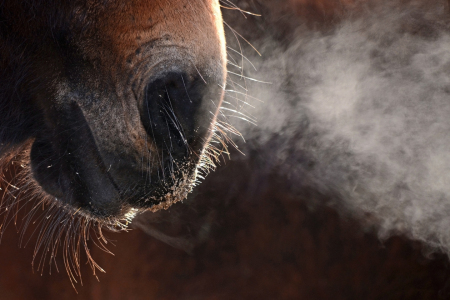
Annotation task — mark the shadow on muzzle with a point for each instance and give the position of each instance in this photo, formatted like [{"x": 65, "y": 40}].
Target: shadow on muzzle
[{"x": 176, "y": 113}]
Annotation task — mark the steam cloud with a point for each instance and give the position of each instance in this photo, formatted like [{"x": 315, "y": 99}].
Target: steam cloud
[{"x": 363, "y": 113}]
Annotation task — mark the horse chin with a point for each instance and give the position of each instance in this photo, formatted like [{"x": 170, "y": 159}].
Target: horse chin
[{"x": 176, "y": 192}]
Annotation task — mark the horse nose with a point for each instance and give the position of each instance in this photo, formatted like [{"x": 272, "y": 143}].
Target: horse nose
[{"x": 176, "y": 112}]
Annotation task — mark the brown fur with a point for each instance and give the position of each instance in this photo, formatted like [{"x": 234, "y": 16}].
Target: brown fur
[
  {"x": 87, "y": 67},
  {"x": 108, "y": 109}
]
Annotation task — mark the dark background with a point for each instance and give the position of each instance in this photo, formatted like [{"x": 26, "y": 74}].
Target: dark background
[{"x": 262, "y": 243}]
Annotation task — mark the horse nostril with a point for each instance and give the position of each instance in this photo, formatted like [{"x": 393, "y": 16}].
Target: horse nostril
[{"x": 172, "y": 115}]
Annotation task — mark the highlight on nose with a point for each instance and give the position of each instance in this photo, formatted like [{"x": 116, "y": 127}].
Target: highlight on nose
[{"x": 174, "y": 114}]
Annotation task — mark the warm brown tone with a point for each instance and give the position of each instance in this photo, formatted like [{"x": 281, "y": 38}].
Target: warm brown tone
[
  {"x": 100, "y": 92},
  {"x": 264, "y": 244},
  {"x": 250, "y": 234}
]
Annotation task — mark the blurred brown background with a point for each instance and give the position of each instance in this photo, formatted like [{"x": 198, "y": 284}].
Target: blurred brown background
[{"x": 262, "y": 244}]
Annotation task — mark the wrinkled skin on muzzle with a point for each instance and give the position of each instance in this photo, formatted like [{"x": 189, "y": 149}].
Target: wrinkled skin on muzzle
[{"x": 117, "y": 98}]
